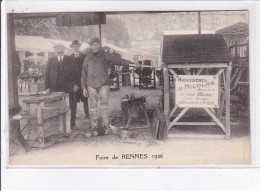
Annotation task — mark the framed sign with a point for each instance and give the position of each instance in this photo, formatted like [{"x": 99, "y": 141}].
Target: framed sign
[{"x": 197, "y": 91}]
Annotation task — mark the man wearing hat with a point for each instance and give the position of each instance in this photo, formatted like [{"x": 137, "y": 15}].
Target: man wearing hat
[
  {"x": 79, "y": 60},
  {"x": 61, "y": 75},
  {"x": 95, "y": 84}
]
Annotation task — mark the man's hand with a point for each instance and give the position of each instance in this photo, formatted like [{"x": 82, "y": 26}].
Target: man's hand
[
  {"x": 75, "y": 88},
  {"x": 85, "y": 92}
]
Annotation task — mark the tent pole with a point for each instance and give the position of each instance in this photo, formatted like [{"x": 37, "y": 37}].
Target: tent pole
[
  {"x": 100, "y": 37},
  {"x": 199, "y": 22}
]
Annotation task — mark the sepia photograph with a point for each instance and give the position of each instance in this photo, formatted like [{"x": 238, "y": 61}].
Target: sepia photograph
[{"x": 127, "y": 88}]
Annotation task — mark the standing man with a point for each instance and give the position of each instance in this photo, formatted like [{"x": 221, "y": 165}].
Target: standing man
[
  {"x": 79, "y": 59},
  {"x": 62, "y": 75},
  {"x": 95, "y": 83}
]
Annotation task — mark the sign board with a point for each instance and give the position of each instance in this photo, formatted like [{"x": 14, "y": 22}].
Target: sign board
[
  {"x": 197, "y": 91},
  {"x": 81, "y": 19}
]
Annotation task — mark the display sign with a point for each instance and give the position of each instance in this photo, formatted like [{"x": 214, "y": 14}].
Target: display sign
[
  {"x": 81, "y": 19},
  {"x": 197, "y": 91}
]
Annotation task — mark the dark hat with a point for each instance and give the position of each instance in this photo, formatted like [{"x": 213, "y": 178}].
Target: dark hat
[
  {"x": 75, "y": 42},
  {"x": 92, "y": 40}
]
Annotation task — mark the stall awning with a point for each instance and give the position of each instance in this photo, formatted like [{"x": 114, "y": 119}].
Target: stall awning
[
  {"x": 32, "y": 44},
  {"x": 195, "y": 49}
]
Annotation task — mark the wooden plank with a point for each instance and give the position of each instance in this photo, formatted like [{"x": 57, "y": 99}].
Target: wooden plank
[
  {"x": 61, "y": 129},
  {"x": 68, "y": 129},
  {"x": 186, "y": 71},
  {"x": 216, "y": 65},
  {"x": 40, "y": 123},
  {"x": 220, "y": 72},
  {"x": 213, "y": 111},
  {"x": 64, "y": 122},
  {"x": 145, "y": 114},
  {"x": 234, "y": 75},
  {"x": 39, "y": 113},
  {"x": 224, "y": 79},
  {"x": 155, "y": 126},
  {"x": 222, "y": 105},
  {"x": 48, "y": 98},
  {"x": 177, "y": 118},
  {"x": 166, "y": 89},
  {"x": 173, "y": 72},
  {"x": 200, "y": 71},
  {"x": 228, "y": 74},
  {"x": 195, "y": 123},
  {"x": 130, "y": 117},
  {"x": 197, "y": 136},
  {"x": 216, "y": 119},
  {"x": 219, "y": 95},
  {"x": 173, "y": 111}
]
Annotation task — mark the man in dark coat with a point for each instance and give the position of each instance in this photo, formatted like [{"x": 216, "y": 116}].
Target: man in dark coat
[
  {"x": 61, "y": 75},
  {"x": 79, "y": 59}
]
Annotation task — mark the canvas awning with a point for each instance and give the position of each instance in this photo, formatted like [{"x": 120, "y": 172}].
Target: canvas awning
[{"x": 32, "y": 44}]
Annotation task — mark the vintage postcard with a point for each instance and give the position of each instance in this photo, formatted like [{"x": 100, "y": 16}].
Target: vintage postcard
[{"x": 128, "y": 88}]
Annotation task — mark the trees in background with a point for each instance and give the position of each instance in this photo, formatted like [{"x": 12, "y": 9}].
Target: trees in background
[{"x": 114, "y": 30}]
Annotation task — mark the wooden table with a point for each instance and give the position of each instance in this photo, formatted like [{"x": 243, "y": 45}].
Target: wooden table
[{"x": 43, "y": 108}]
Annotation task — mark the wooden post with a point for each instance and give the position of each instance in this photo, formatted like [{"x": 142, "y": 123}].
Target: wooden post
[
  {"x": 99, "y": 27},
  {"x": 12, "y": 65},
  {"x": 61, "y": 123},
  {"x": 154, "y": 77},
  {"x": 228, "y": 73},
  {"x": 166, "y": 89},
  {"x": 68, "y": 129},
  {"x": 199, "y": 22},
  {"x": 40, "y": 123},
  {"x": 21, "y": 58}
]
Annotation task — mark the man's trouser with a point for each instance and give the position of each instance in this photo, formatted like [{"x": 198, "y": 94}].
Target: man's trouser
[
  {"x": 85, "y": 105},
  {"x": 81, "y": 98},
  {"x": 98, "y": 101},
  {"x": 73, "y": 109}
]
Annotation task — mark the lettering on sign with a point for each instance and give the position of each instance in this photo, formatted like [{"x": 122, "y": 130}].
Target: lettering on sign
[{"x": 197, "y": 91}]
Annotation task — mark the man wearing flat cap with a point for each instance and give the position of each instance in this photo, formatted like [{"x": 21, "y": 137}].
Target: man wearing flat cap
[
  {"x": 62, "y": 75},
  {"x": 95, "y": 84},
  {"x": 79, "y": 60}
]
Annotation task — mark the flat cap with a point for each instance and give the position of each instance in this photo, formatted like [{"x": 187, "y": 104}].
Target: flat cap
[
  {"x": 92, "y": 40},
  {"x": 58, "y": 45}
]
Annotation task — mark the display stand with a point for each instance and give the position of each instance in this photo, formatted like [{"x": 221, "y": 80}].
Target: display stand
[{"x": 216, "y": 68}]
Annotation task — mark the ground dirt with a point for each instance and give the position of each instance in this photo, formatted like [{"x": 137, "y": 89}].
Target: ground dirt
[{"x": 77, "y": 150}]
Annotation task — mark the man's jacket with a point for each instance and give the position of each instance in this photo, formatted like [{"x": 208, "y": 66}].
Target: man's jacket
[
  {"x": 96, "y": 66},
  {"x": 79, "y": 60},
  {"x": 61, "y": 77}
]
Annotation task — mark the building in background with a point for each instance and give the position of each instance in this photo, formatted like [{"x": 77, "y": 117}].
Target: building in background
[{"x": 236, "y": 37}]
